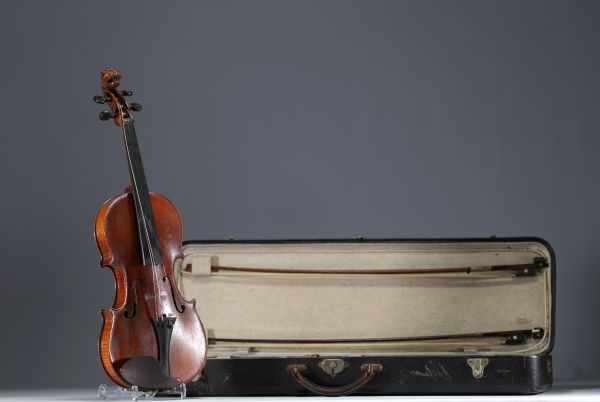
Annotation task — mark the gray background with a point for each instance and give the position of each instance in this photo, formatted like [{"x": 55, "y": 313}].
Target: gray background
[{"x": 294, "y": 119}]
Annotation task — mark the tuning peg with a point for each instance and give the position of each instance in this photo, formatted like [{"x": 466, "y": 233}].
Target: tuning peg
[
  {"x": 106, "y": 115},
  {"x": 101, "y": 99},
  {"x": 135, "y": 107},
  {"x": 126, "y": 93}
]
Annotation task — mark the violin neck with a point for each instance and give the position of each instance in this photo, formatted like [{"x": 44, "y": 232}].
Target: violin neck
[{"x": 148, "y": 240}]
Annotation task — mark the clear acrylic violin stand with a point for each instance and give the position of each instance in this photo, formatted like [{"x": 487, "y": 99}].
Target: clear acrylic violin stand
[{"x": 133, "y": 393}]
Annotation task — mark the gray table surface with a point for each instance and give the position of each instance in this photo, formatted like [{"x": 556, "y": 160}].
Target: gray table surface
[{"x": 579, "y": 393}]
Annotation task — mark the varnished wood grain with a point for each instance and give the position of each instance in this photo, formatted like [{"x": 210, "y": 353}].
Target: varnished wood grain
[{"x": 122, "y": 338}]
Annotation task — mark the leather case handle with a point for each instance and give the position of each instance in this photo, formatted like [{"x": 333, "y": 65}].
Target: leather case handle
[{"x": 368, "y": 372}]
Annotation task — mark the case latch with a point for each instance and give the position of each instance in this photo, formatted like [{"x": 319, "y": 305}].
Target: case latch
[
  {"x": 333, "y": 366},
  {"x": 477, "y": 366}
]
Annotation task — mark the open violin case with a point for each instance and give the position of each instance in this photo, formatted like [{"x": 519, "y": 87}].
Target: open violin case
[{"x": 373, "y": 317}]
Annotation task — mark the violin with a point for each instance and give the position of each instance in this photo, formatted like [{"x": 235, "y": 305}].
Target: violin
[{"x": 151, "y": 337}]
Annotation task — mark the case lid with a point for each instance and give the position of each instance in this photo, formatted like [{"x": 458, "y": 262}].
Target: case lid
[{"x": 388, "y": 297}]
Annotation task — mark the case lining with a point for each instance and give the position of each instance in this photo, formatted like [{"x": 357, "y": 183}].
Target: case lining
[{"x": 276, "y": 306}]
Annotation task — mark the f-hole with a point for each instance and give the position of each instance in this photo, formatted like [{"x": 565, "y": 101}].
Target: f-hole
[
  {"x": 133, "y": 299},
  {"x": 179, "y": 307}
]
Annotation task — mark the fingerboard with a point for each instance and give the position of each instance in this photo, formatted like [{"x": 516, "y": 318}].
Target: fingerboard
[{"x": 149, "y": 243}]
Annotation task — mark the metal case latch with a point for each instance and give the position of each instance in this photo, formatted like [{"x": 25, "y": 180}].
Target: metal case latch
[
  {"x": 333, "y": 366},
  {"x": 478, "y": 366}
]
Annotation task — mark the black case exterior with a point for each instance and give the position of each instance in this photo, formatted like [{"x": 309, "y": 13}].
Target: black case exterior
[
  {"x": 400, "y": 375},
  {"x": 424, "y": 375}
]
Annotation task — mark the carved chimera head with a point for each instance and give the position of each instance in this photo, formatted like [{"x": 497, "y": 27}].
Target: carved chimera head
[{"x": 110, "y": 78}]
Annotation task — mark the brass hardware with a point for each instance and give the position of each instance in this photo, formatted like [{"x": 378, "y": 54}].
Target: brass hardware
[
  {"x": 333, "y": 366},
  {"x": 478, "y": 366}
]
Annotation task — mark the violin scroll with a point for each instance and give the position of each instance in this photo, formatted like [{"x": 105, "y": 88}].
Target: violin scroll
[{"x": 119, "y": 109}]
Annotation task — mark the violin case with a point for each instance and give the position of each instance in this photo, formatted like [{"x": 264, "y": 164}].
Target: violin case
[{"x": 372, "y": 317}]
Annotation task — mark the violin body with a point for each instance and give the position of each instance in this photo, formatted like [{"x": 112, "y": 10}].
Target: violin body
[
  {"x": 151, "y": 337},
  {"x": 123, "y": 338}
]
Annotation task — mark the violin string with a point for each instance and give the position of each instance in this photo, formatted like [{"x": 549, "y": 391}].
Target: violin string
[
  {"x": 153, "y": 264},
  {"x": 147, "y": 238},
  {"x": 158, "y": 308}
]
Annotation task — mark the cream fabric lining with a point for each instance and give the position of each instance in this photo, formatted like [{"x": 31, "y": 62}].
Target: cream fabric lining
[{"x": 287, "y": 306}]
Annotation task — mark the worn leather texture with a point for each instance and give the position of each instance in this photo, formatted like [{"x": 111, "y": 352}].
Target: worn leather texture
[{"x": 400, "y": 375}]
